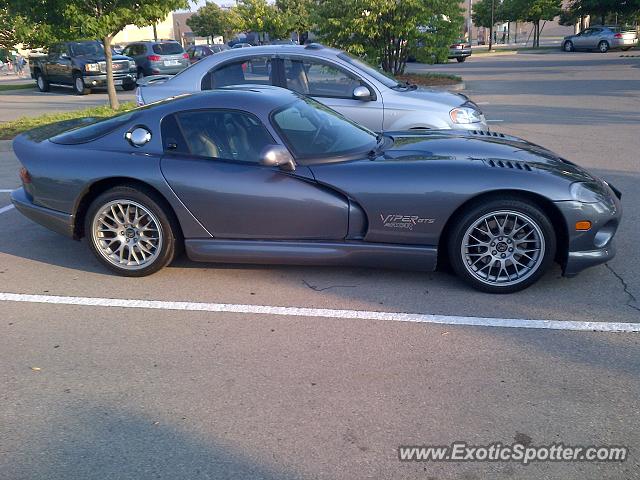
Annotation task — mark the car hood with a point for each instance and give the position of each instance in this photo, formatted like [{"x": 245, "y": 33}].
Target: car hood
[
  {"x": 101, "y": 58},
  {"x": 410, "y": 97},
  {"x": 493, "y": 149}
]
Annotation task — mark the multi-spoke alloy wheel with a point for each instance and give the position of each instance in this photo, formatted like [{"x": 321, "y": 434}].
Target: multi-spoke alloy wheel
[
  {"x": 502, "y": 246},
  {"x": 131, "y": 231},
  {"x": 127, "y": 234}
]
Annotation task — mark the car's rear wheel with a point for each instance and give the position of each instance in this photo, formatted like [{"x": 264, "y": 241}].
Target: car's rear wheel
[
  {"x": 41, "y": 82},
  {"x": 603, "y": 46},
  {"x": 502, "y": 246},
  {"x": 130, "y": 232},
  {"x": 626, "y": 49},
  {"x": 79, "y": 86},
  {"x": 568, "y": 46},
  {"x": 461, "y": 59}
]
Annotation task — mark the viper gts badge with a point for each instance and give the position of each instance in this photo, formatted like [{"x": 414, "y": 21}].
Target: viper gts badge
[{"x": 404, "y": 221}]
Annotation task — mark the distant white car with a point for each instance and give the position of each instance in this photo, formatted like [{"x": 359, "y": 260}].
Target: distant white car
[{"x": 346, "y": 84}]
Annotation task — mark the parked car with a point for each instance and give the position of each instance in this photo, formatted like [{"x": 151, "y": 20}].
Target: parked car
[
  {"x": 460, "y": 51},
  {"x": 346, "y": 84},
  {"x": 81, "y": 65},
  {"x": 602, "y": 39},
  {"x": 165, "y": 57},
  {"x": 260, "y": 174},
  {"x": 198, "y": 52}
]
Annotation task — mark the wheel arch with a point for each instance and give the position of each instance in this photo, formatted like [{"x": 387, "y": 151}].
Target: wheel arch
[
  {"x": 101, "y": 186},
  {"x": 547, "y": 206}
]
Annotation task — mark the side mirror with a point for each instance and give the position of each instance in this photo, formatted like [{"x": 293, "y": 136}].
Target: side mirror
[
  {"x": 361, "y": 93},
  {"x": 277, "y": 156}
]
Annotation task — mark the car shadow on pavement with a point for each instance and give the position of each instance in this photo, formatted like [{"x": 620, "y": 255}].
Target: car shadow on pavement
[{"x": 104, "y": 442}]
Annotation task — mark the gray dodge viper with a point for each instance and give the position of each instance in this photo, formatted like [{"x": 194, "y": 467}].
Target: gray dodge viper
[{"x": 256, "y": 174}]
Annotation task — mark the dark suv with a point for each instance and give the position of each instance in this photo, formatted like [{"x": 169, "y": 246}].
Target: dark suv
[
  {"x": 164, "y": 57},
  {"x": 81, "y": 65}
]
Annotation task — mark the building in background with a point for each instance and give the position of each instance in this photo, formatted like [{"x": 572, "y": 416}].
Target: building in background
[{"x": 173, "y": 27}]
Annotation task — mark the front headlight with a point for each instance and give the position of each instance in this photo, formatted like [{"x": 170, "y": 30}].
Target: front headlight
[
  {"x": 92, "y": 67},
  {"x": 589, "y": 192},
  {"x": 465, "y": 115},
  {"x": 132, "y": 65}
]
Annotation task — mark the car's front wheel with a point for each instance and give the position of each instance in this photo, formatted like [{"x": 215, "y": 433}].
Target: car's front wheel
[
  {"x": 461, "y": 59},
  {"x": 42, "y": 82},
  {"x": 568, "y": 46},
  {"x": 502, "y": 246},
  {"x": 79, "y": 86},
  {"x": 131, "y": 232}
]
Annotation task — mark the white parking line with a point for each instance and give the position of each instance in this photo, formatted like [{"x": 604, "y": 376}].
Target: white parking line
[
  {"x": 323, "y": 312},
  {"x": 6, "y": 190},
  {"x": 495, "y": 121},
  {"x": 6, "y": 209}
]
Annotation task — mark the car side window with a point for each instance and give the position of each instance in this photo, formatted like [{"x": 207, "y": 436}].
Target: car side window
[
  {"x": 254, "y": 70},
  {"x": 220, "y": 134},
  {"x": 319, "y": 79}
]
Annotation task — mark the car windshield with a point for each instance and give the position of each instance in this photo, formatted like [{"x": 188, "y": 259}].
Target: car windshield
[
  {"x": 384, "y": 78},
  {"x": 313, "y": 130},
  {"x": 86, "y": 48},
  {"x": 168, "y": 48}
]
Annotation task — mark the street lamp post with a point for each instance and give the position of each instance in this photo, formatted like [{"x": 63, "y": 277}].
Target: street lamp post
[
  {"x": 470, "y": 20},
  {"x": 493, "y": 6}
]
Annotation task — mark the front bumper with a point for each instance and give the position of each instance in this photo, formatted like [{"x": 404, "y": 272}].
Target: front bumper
[
  {"x": 596, "y": 245},
  {"x": 462, "y": 52},
  {"x": 59, "y": 222},
  {"x": 101, "y": 80}
]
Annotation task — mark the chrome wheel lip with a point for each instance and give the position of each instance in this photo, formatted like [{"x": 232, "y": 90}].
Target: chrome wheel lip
[
  {"x": 534, "y": 263},
  {"x": 126, "y": 233},
  {"x": 40, "y": 82}
]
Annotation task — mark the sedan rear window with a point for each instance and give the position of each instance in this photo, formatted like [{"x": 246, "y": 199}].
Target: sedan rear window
[
  {"x": 168, "y": 48},
  {"x": 89, "y": 129}
]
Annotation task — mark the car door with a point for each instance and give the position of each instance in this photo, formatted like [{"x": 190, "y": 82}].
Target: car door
[
  {"x": 53, "y": 63},
  {"x": 212, "y": 163},
  {"x": 333, "y": 86}
]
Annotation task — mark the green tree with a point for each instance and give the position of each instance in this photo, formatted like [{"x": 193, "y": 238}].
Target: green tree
[
  {"x": 211, "y": 21},
  {"x": 486, "y": 13},
  {"x": 385, "y": 31},
  {"x": 297, "y": 14},
  {"x": 535, "y": 11},
  {"x": 261, "y": 17},
  {"x": 102, "y": 19}
]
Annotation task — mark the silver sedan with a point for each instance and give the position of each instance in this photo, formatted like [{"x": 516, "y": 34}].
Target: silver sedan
[
  {"x": 601, "y": 38},
  {"x": 346, "y": 84}
]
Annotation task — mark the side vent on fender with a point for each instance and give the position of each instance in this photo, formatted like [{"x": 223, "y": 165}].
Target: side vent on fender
[
  {"x": 482, "y": 133},
  {"x": 508, "y": 164}
]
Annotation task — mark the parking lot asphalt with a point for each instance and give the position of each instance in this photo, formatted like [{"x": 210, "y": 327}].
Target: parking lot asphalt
[{"x": 110, "y": 392}]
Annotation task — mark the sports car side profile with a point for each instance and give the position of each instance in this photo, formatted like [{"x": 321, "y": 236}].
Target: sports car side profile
[{"x": 257, "y": 174}]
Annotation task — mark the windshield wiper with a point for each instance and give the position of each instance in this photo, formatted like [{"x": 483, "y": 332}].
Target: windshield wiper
[{"x": 405, "y": 86}]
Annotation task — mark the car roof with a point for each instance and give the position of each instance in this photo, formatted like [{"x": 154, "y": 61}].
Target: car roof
[
  {"x": 257, "y": 99},
  {"x": 311, "y": 49}
]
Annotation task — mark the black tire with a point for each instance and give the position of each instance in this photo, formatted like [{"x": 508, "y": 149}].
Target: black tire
[
  {"x": 171, "y": 240},
  {"x": 129, "y": 86},
  {"x": 140, "y": 74},
  {"x": 461, "y": 59},
  {"x": 78, "y": 85},
  {"x": 42, "y": 83},
  {"x": 603, "y": 46},
  {"x": 626, "y": 49},
  {"x": 476, "y": 212},
  {"x": 568, "y": 46}
]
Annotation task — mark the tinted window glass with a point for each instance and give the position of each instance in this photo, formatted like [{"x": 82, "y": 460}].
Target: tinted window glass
[
  {"x": 93, "y": 128},
  {"x": 223, "y": 134},
  {"x": 256, "y": 70},
  {"x": 318, "y": 79},
  {"x": 86, "y": 48},
  {"x": 384, "y": 78},
  {"x": 168, "y": 48},
  {"x": 313, "y": 130}
]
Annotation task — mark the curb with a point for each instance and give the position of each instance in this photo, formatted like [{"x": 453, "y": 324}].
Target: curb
[{"x": 455, "y": 87}]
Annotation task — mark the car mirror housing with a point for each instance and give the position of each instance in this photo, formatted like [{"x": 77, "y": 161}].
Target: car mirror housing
[
  {"x": 361, "y": 93},
  {"x": 277, "y": 156}
]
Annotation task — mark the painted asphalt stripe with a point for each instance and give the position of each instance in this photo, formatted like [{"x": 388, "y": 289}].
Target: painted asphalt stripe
[
  {"x": 323, "y": 312},
  {"x": 6, "y": 190},
  {"x": 6, "y": 209}
]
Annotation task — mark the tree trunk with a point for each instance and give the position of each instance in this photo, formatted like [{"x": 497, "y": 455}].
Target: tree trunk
[
  {"x": 111, "y": 88},
  {"x": 490, "y": 37},
  {"x": 515, "y": 40}
]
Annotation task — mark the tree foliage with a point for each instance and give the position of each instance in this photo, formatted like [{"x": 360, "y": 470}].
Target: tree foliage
[
  {"x": 210, "y": 21},
  {"x": 385, "y": 31},
  {"x": 297, "y": 15}
]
